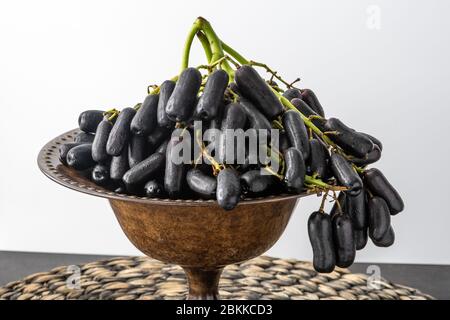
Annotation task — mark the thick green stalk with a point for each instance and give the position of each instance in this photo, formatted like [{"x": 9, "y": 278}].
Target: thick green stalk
[
  {"x": 234, "y": 54},
  {"x": 196, "y": 27},
  {"x": 205, "y": 44},
  {"x": 216, "y": 46}
]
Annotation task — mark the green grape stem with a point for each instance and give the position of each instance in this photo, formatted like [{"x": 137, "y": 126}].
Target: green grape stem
[{"x": 205, "y": 44}]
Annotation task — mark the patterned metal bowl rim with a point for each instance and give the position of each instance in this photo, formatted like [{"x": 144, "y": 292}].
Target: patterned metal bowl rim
[{"x": 49, "y": 163}]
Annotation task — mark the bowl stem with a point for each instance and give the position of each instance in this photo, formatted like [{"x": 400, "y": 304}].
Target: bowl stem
[{"x": 203, "y": 284}]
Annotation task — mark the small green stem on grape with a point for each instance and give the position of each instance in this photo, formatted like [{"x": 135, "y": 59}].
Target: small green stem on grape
[
  {"x": 323, "y": 185},
  {"x": 314, "y": 117},
  {"x": 322, "y": 204},
  {"x": 277, "y": 124},
  {"x": 211, "y": 66},
  {"x": 111, "y": 114},
  {"x": 205, "y": 44},
  {"x": 217, "y": 167},
  {"x": 358, "y": 169},
  {"x": 273, "y": 72},
  {"x": 233, "y": 94},
  {"x": 269, "y": 169},
  {"x": 137, "y": 106},
  {"x": 151, "y": 88},
  {"x": 338, "y": 204},
  {"x": 310, "y": 133},
  {"x": 279, "y": 160},
  {"x": 295, "y": 81},
  {"x": 233, "y": 62},
  {"x": 114, "y": 110},
  {"x": 156, "y": 88}
]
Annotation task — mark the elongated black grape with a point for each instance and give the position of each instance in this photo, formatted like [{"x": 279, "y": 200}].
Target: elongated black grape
[
  {"x": 356, "y": 209},
  {"x": 253, "y": 87},
  {"x": 256, "y": 119},
  {"x": 208, "y": 105},
  {"x": 162, "y": 147},
  {"x": 321, "y": 238},
  {"x": 234, "y": 118},
  {"x": 294, "y": 176},
  {"x": 175, "y": 171},
  {"x": 284, "y": 143},
  {"x": 380, "y": 186},
  {"x": 84, "y": 137},
  {"x": 361, "y": 238},
  {"x": 89, "y": 120},
  {"x": 64, "y": 150},
  {"x": 292, "y": 93},
  {"x": 387, "y": 240},
  {"x": 228, "y": 188},
  {"x": 348, "y": 139},
  {"x": 145, "y": 170},
  {"x": 99, "y": 153},
  {"x": 100, "y": 174},
  {"x": 311, "y": 99},
  {"x": 212, "y": 134},
  {"x": 372, "y": 157},
  {"x": 119, "y": 165},
  {"x": 144, "y": 122},
  {"x": 157, "y": 137},
  {"x": 120, "y": 133},
  {"x": 303, "y": 107},
  {"x": 343, "y": 239},
  {"x": 80, "y": 157},
  {"x": 375, "y": 141},
  {"x": 137, "y": 150},
  {"x": 306, "y": 110},
  {"x": 246, "y": 166},
  {"x": 318, "y": 159},
  {"x": 154, "y": 189},
  {"x": 296, "y": 132},
  {"x": 255, "y": 182},
  {"x": 184, "y": 96},
  {"x": 345, "y": 174},
  {"x": 216, "y": 122},
  {"x": 202, "y": 184},
  {"x": 165, "y": 92},
  {"x": 379, "y": 218}
]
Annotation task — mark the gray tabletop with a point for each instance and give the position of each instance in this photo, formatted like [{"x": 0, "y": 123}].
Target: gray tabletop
[{"x": 431, "y": 279}]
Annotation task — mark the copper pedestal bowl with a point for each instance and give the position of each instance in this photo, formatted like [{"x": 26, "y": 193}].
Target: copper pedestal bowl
[{"x": 198, "y": 235}]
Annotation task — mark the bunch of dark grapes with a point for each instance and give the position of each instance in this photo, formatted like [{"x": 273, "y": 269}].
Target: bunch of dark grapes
[{"x": 131, "y": 151}]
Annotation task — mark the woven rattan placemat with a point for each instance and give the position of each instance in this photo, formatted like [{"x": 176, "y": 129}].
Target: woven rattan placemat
[{"x": 261, "y": 278}]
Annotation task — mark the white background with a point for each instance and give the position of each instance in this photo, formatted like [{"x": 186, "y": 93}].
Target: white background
[{"x": 58, "y": 58}]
